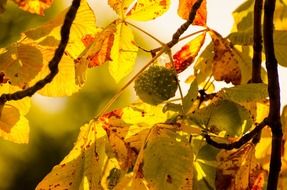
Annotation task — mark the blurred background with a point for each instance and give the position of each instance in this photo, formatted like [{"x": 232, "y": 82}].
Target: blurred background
[{"x": 55, "y": 122}]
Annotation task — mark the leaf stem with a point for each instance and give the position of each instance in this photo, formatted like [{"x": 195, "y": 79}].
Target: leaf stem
[
  {"x": 145, "y": 32},
  {"x": 54, "y": 62}
]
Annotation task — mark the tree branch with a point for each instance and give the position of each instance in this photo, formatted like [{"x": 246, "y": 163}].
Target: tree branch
[
  {"x": 182, "y": 28},
  {"x": 257, "y": 43},
  {"x": 244, "y": 139},
  {"x": 54, "y": 62},
  {"x": 274, "y": 95}
]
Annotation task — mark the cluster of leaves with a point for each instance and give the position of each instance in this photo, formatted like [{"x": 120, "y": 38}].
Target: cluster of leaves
[{"x": 143, "y": 146}]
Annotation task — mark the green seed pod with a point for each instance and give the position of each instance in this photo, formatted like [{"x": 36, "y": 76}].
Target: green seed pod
[{"x": 156, "y": 85}]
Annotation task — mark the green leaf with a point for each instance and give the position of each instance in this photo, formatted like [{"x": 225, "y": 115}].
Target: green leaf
[
  {"x": 224, "y": 115},
  {"x": 167, "y": 161},
  {"x": 123, "y": 53},
  {"x": 204, "y": 165},
  {"x": 145, "y": 10},
  {"x": 244, "y": 92}
]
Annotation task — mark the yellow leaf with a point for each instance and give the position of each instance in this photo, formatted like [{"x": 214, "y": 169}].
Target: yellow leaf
[
  {"x": 123, "y": 53},
  {"x": 34, "y": 6},
  {"x": 64, "y": 83},
  {"x": 228, "y": 63},
  {"x": 13, "y": 126},
  {"x": 120, "y": 6},
  {"x": 100, "y": 49},
  {"x": 84, "y": 23},
  {"x": 144, "y": 10},
  {"x": 185, "y": 7},
  {"x": 21, "y": 61},
  {"x": 82, "y": 168},
  {"x": 22, "y": 105}
]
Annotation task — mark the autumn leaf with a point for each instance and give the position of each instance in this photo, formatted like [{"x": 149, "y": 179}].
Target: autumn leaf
[
  {"x": 225, "y": 65},
  {"x": 14, "y": 126},
  {"x": 123, "y": 52},
  {"x": 64, "y": 83},
  {"x": 83, "y": 166},
  {"x": 34, "y": 6},
  {"x": 120, "y": 6},
  {"x": 84, "y": 24},
  {"x": 185, "y": 7},
  {"x": 21, "y": 62},
  {"x": 239, "y": 169},
  {"x": 144, "y": 10},
  {"x": 186, "y": 55},
  {"x": 99, "y": 47}
]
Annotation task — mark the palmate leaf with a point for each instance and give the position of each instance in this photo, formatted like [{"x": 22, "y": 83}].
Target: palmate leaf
[
  {"x": 14, "y": 126},
  {"x": 185, "y": 7},
  {"x": 21, "y": 62},
  {"x": 34, "y": 6},
  {"x": 186, "y": 55},
  {"x": 239, "y": 169},
  {"x": 123, "y": 52},
  {"x": 144, "y": 10}
]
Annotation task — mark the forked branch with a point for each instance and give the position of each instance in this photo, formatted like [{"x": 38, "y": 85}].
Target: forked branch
[{"x": 53, "y": 64}]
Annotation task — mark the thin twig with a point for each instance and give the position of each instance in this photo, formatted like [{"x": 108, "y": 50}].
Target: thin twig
[
  {"x": 244, "y": 139},
  {"x": 274, "y": 95},
  {"x": 53, "y": 64},
  {"x": 183, "y": 27}
]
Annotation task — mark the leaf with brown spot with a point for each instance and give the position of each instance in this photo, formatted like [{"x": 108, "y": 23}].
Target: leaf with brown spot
[
  {"x": 239, "y": 169},
  {"x": 34, "y": 6},
  {"x": 225, "y": 65},
  {"x": 186, "y": 55},
  {"x": 144, "y": 10},
  {"x": 83, "y": 167},
  {"x": 185, "y": 7}
]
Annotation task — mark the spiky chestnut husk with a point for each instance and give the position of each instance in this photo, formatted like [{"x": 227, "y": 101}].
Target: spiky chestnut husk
[{"x": 156, "y": 85}]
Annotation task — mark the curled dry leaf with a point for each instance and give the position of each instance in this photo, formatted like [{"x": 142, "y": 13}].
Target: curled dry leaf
[
  {"x": 34, "y": 6},
  {"x": 185, "y": 7}
]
